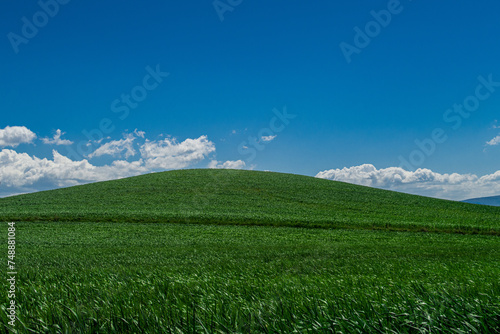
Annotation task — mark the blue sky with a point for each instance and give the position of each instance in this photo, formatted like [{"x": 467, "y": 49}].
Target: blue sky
[{"x": 233, "y": 66}]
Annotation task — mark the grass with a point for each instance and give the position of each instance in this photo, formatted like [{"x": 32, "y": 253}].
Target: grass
[
  {"x": 188, "y": 278},
  {"x": 225, "y": 251},
  {"x": 249, "y": 198}
]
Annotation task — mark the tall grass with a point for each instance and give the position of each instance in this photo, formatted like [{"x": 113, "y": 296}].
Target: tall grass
[{"x": 184, "y": 278}]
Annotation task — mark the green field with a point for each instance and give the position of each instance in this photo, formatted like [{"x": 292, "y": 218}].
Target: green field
[
  {"x": 213, "y": 251},
  {"x": 249, "y": 197}
]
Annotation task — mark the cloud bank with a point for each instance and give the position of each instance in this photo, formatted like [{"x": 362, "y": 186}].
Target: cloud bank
[
  {"x": 134, "y": 154},
  {"x": 21, "y": 172},
  {"x": 423, "y": 181},
  {"x": 18, "y": 170}
]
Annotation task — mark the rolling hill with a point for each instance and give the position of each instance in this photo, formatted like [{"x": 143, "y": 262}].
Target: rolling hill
[
  {"x": 246, "y": 198},
  {"x": 167, "y": 253}
]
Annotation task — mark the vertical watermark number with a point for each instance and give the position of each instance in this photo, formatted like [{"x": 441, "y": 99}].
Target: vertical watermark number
[{"x": 11, "y": 274}]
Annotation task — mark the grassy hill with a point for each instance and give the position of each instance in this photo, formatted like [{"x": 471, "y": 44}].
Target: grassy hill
[
  {"x": 249, "y": 197},
  {"x": 90, "y": 259}
]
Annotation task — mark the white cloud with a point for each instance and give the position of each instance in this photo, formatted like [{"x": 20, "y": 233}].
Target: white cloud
[
  {"x": 56, "y": 140},
  {"x": 18, "y": 170},
  {"x": 15, "y": 135},
  {"x": 494, "y": 141},
  {"x": 169, "y": 154},
  {"x": 268, "y": 138},
  {"x": 116, "y": 147},
  {"x": 22, "y": 173},
  {"x": 238, "y": 164},
  {"x": 420, "y": 182}
]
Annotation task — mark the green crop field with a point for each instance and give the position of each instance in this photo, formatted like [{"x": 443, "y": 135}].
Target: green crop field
[
  {"x": 249, "y": 197},
  {"x": 221, "y": 251}
]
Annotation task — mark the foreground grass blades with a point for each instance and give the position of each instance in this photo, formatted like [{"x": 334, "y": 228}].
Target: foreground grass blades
[{"x": 95, "y": 277}]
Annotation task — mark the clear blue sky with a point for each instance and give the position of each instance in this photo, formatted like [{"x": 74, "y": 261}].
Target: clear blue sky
[{"x": 226, "y": 77}]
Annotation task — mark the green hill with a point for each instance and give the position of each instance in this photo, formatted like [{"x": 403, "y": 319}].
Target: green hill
[
  {"x": 249, "y": 197},
  {"x": 107, "y": 263}
]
